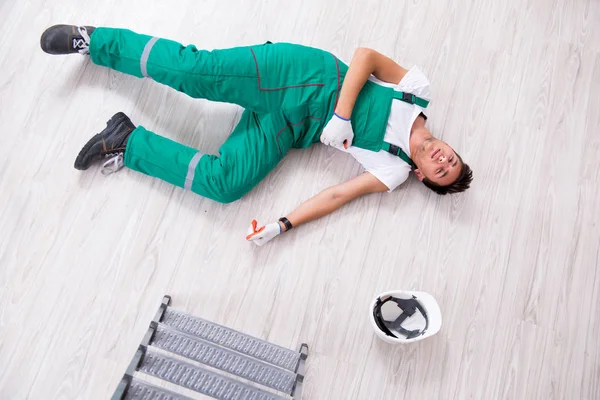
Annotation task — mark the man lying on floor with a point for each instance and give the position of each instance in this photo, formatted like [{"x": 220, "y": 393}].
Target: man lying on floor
[{"x": 293, "y": 96}]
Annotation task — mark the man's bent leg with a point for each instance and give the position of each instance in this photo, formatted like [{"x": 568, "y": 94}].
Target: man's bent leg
[{"x": 247, "y": 156}]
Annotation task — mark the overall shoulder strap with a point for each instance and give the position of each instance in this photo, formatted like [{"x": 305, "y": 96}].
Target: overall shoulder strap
[
  {"x": 411, "y": 99},
  {"x": 397, "y": 151}
]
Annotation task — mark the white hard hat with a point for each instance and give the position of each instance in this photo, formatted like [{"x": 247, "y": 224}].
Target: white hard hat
[{"x": 402, "y": 316}]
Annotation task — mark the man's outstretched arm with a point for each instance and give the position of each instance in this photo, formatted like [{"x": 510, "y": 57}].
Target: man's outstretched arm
[
  {"x": 318, "y": 206},
  {"x": 338, "y": 131}
]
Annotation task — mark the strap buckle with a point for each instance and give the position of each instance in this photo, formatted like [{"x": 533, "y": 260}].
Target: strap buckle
[
  {"x": 409, "y": 98},
  {"x": 395, "y": 150}
]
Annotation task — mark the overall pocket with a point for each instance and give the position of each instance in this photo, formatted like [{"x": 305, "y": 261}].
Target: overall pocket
[{"x": 282, "y": 66}]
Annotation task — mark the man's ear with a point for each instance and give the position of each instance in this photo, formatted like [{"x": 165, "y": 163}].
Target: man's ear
[{"x": 419, "y": 174}]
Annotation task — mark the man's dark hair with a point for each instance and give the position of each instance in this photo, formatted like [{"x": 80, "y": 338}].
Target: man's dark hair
[{"x": 461, "y": 183}]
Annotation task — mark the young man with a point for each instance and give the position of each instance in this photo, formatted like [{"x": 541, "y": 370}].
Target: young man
[{"x": 293, "y": 96}]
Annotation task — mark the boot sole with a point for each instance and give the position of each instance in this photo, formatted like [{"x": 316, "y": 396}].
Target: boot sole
[{"x": 110, "y": 124}]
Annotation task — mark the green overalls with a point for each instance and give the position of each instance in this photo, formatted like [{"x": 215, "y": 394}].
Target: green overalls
[{"x": 289, "y": 93}]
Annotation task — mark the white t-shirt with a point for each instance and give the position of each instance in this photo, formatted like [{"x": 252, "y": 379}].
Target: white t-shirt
[{"x": 390, "y": 169}]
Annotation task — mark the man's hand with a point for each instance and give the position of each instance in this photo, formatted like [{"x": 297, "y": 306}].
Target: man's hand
[
  {"x": 338, "y": 132},
  {"x": 262, "y": 235}
]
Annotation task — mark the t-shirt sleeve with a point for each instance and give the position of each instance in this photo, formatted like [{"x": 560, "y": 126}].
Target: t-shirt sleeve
[
  {"x": 415, "y": 82},
  {"x": 390, "y": 170}
]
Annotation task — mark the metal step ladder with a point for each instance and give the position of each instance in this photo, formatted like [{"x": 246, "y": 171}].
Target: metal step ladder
[{"x": 225, "y": 364}]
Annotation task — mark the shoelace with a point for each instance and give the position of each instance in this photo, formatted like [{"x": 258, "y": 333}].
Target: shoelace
[
  {"x": 114, "y": 164},
  {"x": 85, "y": 47}
]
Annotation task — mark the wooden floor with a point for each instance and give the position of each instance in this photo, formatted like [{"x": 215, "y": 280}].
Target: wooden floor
[{"x": 514, "y": 263}]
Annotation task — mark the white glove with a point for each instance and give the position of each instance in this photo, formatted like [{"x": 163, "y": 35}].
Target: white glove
[
  {"x": 263, "y": 234},
  {"x": 338, "y": 132}
]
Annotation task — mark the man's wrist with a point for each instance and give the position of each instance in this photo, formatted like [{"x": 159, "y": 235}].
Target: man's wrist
[
  {"x": 281, "y": 226},
  {"x": 341, "y": 116},
  {"x": 285, "y": 224},
  {"x": 343, "y": 110}
]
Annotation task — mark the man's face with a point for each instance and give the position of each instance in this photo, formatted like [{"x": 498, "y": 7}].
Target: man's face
[{"x": 437, "y": 161}]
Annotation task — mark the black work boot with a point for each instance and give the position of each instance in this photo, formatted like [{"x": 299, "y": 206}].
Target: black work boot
[
  {"x": 66, "y": 39},
  {"x": 110, "y": 143}
]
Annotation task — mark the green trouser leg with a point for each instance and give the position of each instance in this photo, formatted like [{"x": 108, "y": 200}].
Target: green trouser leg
[
  {"x": 262, "y": 78},
  {"x": 289, "y": 91},
  {"x": 245, "y": 158}
]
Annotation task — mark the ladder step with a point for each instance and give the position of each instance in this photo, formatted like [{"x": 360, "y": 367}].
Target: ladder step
[
  {"x": 140, "y": 390},
  {"x": 232, "y": 339},
  {"x": 226, "y": 360},
  {"x": 201, "y": 379}
]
